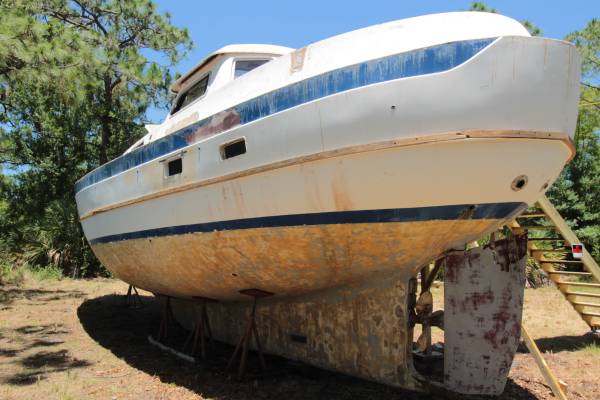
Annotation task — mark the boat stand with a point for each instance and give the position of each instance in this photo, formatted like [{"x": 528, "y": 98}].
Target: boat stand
[
  {"x": 248, "y": 333},
  {"x": 133, "y": 299},
  {"x": 201, "y": 328},
  {"x": 167, "y": 316}
]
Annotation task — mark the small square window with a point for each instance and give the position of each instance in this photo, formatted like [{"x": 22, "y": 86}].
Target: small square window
[
  {"x": 233, "y": 149},
  {"x": 175, "y": 167}
]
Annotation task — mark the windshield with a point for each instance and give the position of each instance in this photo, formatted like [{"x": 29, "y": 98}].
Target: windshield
[{"x": 196, "y": 91}]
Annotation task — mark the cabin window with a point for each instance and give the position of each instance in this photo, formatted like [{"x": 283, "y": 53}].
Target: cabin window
[
  {"x": 233, "y": 149},
  {"x": 243, "y": 66},
  {"x": 175, "y": 167},
  {"x": 298, "y": 338},
  {"x": 195, "y": 92}
]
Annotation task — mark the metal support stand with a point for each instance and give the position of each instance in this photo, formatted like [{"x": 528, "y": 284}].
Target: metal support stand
[
  {"x": 133, "y": 299},
  {"x": 163, "y": 328},
  {"x": 201, "y": 328},
  {"x": 248, "y": 334}
]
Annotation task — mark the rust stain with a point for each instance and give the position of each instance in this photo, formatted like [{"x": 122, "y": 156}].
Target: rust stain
[
  {"x": 284, "y": 260},
  {"x": 472, "y": 301},
  {"x": 218, "y": 123},
  {"x": 453, "y": 263},
  {"x": 341, "y": 198},
  {"x": 484, "y": 302}
]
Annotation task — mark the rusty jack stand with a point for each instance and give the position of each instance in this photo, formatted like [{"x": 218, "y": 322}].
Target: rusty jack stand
[
  {"x": 201, "y": 328},
  {"x": 133, "y": 299},
  {"x": 249, "y": 332},
  {"x": 164, "y": 322}
]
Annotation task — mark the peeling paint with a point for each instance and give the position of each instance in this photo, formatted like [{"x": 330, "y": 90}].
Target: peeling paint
[
  {"x": 218, "y": 123},
  {"x": 287, "y": 261},
  {"x": 353, "y": 330},
  {"x": 483, "y": 299}
]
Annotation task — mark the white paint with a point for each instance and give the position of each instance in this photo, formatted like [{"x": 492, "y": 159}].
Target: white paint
[
  {"x": 336, "y": 52},
  {"x": 423, "y": 175},
  {"x": 517, "y": 83}
]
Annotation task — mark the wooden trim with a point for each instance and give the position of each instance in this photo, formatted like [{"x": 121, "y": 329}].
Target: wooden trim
[{"x": 404, "y": 142}]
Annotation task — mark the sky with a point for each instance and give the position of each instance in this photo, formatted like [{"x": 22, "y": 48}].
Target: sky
[{"x": 214, "y": 24}]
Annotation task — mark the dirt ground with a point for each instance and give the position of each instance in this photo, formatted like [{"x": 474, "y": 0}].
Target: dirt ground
[{"x": 76, "y": 340}]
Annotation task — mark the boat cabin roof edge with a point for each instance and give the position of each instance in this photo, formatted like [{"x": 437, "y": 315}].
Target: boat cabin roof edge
[{"x": 258, "y": 49}]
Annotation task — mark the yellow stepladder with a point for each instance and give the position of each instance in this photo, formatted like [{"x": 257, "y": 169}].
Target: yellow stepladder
[{"x": 576, "y": 275}]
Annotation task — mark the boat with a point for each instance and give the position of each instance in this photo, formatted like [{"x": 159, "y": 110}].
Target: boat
[{"x": 319, "y": 174}]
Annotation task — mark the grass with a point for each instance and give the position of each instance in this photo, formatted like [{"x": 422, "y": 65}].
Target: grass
[
  {"x": 591, "y": 349},
  {"x": 10, "y": 274},
  {"x": 50, "y": 272},
  {"x": 70, "y": 339}
]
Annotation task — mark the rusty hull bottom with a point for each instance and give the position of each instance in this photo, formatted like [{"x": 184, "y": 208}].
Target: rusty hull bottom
[
  {"x": 357, "y": 330},
  {"x": 287, "y": 261}
]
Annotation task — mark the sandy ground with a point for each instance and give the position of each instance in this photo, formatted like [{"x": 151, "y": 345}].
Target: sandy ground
[{"x": 76, "y": 340}]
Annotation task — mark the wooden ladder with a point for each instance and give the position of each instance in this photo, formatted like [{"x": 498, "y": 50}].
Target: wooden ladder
[{"x": 550, "y": 245}]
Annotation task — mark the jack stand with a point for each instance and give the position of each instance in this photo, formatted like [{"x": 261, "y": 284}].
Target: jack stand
[
  {"x": 164, "y": 322},
  {"x": 201, "y": 328},
  {"x": 249, "y": 332},
  {"x": 133, "y": 299}
]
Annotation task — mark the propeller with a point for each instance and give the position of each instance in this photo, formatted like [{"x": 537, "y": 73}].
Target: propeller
[
  {"x": 424, "y": 313},
  {"x": 424, "y": 309}
]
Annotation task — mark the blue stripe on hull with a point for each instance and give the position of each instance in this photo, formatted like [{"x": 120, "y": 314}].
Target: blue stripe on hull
[
  {"x": 454, "y": 212},
  {"x": 409, "y": 64}
]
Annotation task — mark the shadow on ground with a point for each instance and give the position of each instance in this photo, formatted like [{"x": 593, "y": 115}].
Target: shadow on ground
[
  {"x": 49, "y": 362},
  {"x": 38, "y": 366},
  {"x": 124, "y": 332},
  {"x": 566, "y": 343},
  {"x": 8, "y": 295}
]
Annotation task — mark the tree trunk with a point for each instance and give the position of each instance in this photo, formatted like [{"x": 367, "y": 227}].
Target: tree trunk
[{"x": 105, "y": 120}]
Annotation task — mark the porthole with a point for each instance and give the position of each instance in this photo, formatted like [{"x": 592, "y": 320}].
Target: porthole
[{"x": 519, "y": 183}]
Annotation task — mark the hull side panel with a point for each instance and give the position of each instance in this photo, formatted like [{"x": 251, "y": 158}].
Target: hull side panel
[{"x": 435, "y": 174}]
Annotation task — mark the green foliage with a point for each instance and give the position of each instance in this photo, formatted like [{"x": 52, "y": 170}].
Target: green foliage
[
  {"x": 76, "y": 78},
  {"x": 481, "y": 6},
  {"x": 533, "y": 29},
  {"x": 576, "y": 193},
  {"x": 47, "y": 273},
  {"x": 10, "y": 275},
  {"x": 593, "y": 349}
]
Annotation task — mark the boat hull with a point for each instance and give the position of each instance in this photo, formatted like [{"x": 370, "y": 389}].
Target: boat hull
[
  {"x": 360, "y": 166},
  {"x": 380, "y": 224}
]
